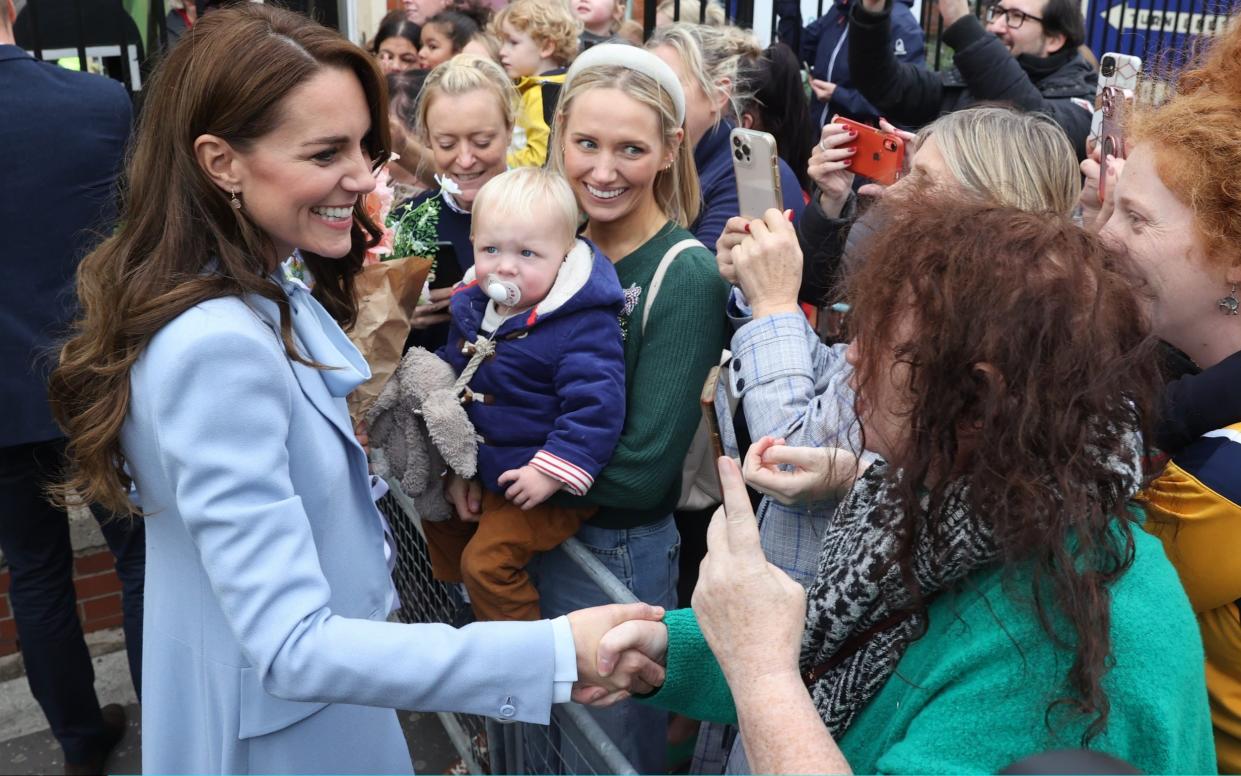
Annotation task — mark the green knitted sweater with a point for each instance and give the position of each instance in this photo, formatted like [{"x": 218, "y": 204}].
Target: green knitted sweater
[
  {"x": 971, "y": 695},
  {"x": 664, "y": 372}
]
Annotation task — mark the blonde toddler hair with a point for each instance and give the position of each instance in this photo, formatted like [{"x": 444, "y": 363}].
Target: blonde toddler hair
[{"x": 529, "y": 193}]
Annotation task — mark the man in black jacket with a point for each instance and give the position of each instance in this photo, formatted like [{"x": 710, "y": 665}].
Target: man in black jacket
[{"x": 1026, "y": 56}]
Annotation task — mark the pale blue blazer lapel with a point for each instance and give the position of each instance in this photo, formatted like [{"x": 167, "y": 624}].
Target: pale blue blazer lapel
[{"x": 319, "y": 338}]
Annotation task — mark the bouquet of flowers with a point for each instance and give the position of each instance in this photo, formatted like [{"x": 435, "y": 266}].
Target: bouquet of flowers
[{"x": 387, "y": 290}]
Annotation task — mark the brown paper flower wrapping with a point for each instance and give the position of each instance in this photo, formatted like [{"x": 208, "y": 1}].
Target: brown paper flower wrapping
[{"x": 386, "y": 293}]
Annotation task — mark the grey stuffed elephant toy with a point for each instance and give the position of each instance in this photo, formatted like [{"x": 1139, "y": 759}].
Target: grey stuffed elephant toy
[{"x": 421, "y": 428}]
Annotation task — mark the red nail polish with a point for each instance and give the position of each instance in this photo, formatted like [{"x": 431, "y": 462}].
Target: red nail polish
[
  {"x": 848, "y": 162},
  {"x": 747, "y": 228},
  {"x": 853, "y": 133},
  {"x": 789, "y": 213}
]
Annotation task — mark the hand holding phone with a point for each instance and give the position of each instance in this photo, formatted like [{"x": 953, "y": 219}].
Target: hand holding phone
[
  {"x": 880, "y": 155},
  {"x": 757, "y": 168},
  {"x": 1118, "y": 78}
]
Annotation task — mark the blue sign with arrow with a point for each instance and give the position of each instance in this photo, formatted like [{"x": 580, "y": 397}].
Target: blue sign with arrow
[{"x": 1162, "y": 32}]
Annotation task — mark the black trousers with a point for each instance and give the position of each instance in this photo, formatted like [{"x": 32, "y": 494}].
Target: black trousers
[{"x": 34, "y": 537}]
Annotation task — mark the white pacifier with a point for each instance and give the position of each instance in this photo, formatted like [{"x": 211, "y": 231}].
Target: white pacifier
[{"x": 503, "y": 292}]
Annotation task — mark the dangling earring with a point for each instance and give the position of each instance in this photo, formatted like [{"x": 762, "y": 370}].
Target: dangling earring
[
  {"x": 236, "y": 203},
  {"x": 1229, "y": 304}
]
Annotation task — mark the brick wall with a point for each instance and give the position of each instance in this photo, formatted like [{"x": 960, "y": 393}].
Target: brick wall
[{"x": 98, "y": 590}]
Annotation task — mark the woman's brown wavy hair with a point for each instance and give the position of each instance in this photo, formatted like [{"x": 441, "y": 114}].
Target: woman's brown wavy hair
[
  {"x": 179, "y": 243},
  {"x": 1072, "y": 376}
]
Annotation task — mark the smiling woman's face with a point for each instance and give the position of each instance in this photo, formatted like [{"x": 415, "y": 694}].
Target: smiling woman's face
[
  {"x": 468, "y": 139},
  {"x": 1159, "y": 233},
  {"x": 612, "y": 152},
  {"x": 299, "y": 183}
]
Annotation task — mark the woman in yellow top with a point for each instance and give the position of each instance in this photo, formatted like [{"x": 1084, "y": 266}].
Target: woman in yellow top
[{"x": 1178, "y": 211}]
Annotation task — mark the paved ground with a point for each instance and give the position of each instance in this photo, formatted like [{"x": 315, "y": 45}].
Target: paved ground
[{"x": 26, "y": 745}]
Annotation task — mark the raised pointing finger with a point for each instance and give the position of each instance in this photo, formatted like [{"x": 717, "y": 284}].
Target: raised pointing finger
[{"x": 741, "y": 527}]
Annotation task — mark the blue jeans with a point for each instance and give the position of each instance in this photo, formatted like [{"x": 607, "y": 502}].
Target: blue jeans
[{"x": 645, "y": 559}]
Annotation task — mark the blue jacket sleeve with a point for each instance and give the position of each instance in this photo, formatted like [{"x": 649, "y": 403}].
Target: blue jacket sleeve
[
  {"x": 808, "y": 47},
  {"x": 788, "y": 28},
  {"x": 849, "y": 102},
  {"x": 719, "y": 204},
  {"x": 908, "y": 46},
  {"x": 908, "y": 43},
  {"x": 590, "y": 382}
]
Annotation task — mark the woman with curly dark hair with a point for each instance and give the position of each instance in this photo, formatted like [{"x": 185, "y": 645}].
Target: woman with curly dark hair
[{"x": 984, "y": 590}]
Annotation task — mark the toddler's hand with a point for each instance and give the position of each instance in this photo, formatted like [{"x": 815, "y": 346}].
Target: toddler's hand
[{"x": 530, "y": 487}]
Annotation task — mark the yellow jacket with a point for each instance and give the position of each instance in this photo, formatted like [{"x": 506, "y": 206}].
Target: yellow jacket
[
  {"x": 529, "y": 148},
  {"x": 1194, "y": 507}
]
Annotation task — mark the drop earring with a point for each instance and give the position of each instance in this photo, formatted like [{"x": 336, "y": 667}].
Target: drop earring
[
  {"x": 236, "y": 203},
  {"x": 1229, "y": 304}
]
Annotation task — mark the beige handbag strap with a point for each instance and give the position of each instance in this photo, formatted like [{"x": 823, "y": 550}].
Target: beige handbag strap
[{"x": 658, "y": 279}]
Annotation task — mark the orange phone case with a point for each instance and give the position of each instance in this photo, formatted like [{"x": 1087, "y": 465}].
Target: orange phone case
[{"x": 880, "y": 156}]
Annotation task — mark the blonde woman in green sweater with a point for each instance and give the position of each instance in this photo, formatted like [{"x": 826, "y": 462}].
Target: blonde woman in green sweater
[
  {"x": 619, "y": 139},
  {"x": 984, "y": 591}
]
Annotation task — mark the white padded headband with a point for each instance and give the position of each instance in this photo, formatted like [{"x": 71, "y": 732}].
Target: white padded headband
[{"x": 633, "y": 58}]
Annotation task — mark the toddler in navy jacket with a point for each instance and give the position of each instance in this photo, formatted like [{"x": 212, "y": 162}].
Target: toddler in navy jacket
[{"x": 536, "y": 320}]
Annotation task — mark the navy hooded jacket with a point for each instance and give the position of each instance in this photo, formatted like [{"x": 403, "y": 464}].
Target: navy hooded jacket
[
  {"x": 824, "y": 45},
  {"x": 553, "y": 394}
]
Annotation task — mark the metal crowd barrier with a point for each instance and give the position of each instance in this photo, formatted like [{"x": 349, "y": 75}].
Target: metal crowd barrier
[{"x": 574, "y": 743}]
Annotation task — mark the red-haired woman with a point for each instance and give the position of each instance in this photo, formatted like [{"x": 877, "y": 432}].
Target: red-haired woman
[
  {"x": 985, "y": 591},
  {"x": 1178, "y": 213}
]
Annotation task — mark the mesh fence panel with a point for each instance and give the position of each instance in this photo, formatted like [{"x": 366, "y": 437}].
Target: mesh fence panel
[{"x": 572, "y": 744}]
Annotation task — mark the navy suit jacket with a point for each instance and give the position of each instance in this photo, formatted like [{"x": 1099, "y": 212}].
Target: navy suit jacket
[{"x": 62, "y": 139}]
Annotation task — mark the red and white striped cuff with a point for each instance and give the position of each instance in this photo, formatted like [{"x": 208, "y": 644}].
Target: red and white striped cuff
[{"x": 576, "y": 479}]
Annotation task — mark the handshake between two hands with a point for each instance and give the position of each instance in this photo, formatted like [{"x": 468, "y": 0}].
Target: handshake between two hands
[{"x": 620, "y": 651}]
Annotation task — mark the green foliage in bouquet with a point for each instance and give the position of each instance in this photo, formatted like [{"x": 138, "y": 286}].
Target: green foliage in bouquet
[{"x": 415, "y": 229}]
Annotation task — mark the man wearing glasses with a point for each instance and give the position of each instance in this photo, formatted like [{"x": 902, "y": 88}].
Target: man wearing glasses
[{"x": 1025, "y": 56}]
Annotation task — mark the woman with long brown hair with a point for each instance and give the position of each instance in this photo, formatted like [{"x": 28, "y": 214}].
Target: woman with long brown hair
[
  {"x": 213, "y": 383},
  {"x": 984, "y": 591}
]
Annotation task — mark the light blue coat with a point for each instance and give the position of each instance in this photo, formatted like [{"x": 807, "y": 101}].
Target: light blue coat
[{"x": 266, "y": 648}]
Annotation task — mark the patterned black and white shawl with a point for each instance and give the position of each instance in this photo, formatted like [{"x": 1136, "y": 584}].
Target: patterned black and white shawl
[{"x": 860, "y": 612}]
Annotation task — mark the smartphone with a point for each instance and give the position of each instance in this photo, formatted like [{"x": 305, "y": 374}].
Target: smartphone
[
  {"x": 1118, "y": 79},
  {"x": 757, "y": 168},
  {"x": 707, "y": 403},
  {"x": 880, "y": 155}
]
